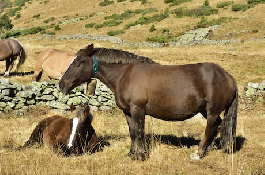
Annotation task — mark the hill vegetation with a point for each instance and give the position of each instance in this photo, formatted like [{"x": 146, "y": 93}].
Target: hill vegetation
[{"x": 37, "y": 25}]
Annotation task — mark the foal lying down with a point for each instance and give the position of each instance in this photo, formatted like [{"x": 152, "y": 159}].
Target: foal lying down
[{"x": 65, "y": 135}]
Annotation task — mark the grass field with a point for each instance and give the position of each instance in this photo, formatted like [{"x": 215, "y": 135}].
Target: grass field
[{"x": 169, "y": 143}]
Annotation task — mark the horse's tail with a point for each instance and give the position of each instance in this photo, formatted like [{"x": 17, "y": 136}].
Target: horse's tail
[
  {"x": 22, "y": 57},
  {"x": 228, "y": 127}
]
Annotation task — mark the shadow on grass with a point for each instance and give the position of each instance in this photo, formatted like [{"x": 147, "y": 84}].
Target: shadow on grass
[
  {"x": 19, "y": 73},
  {"x": 239, "y": 142}
]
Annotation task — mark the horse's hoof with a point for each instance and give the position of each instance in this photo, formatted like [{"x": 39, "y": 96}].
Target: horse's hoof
[
  {"x": 194, "y": 156},
  {"x": 139, "y": 156}
]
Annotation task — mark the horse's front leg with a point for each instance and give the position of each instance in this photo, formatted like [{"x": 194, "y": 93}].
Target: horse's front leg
[{"x": 136, "y": 122}]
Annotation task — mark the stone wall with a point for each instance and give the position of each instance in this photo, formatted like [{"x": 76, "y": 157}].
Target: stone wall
[
  {"x": 254, "y": 92},
  {"x": 17, "y": 97}
]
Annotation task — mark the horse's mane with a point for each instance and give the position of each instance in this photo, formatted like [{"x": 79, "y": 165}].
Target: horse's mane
[{"x": 114, "y": 56}]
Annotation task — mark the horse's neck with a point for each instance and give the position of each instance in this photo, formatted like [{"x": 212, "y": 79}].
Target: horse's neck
[{"x": 110, "y": 74}]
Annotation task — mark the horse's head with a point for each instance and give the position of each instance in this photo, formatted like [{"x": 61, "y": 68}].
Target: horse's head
[
  {"x": 78, "y": 71},
  {"x": 80, "y": 125}
]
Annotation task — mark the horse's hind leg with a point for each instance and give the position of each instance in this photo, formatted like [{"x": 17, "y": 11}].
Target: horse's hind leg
[
  {"x": 9, "y": 66},
  {"x": 213, "y": 122}
]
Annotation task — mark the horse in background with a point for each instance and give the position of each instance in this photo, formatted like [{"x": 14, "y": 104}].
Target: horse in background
[
  {"x": 54, "y": 63},
  {"x": 64, "y": 135},
  {"x": 168, "y": 92},
  {"x": 10, "y": 49}
]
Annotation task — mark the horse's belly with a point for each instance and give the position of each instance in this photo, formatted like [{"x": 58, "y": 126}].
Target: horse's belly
[{"x": 177, "y": 112}]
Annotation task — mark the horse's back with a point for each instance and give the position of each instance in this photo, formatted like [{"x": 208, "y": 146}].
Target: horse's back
[{"x": 55, "y": 62}]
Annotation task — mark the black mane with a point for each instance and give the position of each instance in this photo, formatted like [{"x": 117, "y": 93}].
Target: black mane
[{"x": 114, "y": 56}]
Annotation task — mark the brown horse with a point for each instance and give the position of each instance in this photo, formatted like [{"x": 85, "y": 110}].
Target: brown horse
[
  {"x": 168, "y": 92},
  {"x": 54, "y": 63},
  {"x": 10, "y": 50},
  {"x": 65, "y": 135}
]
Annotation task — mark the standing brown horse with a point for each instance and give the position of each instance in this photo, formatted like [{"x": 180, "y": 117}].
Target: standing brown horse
[
  {"x": 54, "y": 63},
  {"x": 10, "y": 49},
  {"x": 168, "y": 92},
  {"x": 65, "y": 135}
]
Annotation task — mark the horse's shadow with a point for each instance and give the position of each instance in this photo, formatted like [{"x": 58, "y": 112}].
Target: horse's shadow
[
  {"x": 152, "y": 140},
  {"x": 18, "y": 73}
]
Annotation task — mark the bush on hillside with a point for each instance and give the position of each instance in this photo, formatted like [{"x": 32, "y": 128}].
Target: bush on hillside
[
  {"x": 6, "y": 22},
  {"x": 115, "y": 32},
  {"x": 240, "y": 7},
  {"x": 106, "y": 2},
  {"x": 224, "y": 4},
  {"x": 175, "y": 2}
]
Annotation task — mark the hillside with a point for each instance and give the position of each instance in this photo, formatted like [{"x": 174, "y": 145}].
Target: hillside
[
  {"x": 65, "y": 25},
  {"x": 72, "y": 18}
]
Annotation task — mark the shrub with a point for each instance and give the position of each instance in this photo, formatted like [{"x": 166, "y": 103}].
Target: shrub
[
  {"x": 255, "y": 2},
  {"x": 203, "y": 23},
  {"x": 90, "y": 25},
  {"x": 57, "y": 27},
  {"x": 176, "y": 2},
  {"x": 121, "y": 0},
  {"x": 13, "y": 11},
  {"x": 24, "y": 32},
  {"x": 36, "y": 16},
  {"x": 201, "y": 11},
  {"x": 161, "y": 39},
  {"x": 6, "y": 22},
  {"x": 224, "y": 4},
  {"x": 152, "y": 28},
  {"x": 115, "y": 32},
  {"x": 106, "y": 2},
  {"x": 240, "y": 7},
  {"x": 206, "y": 3}
]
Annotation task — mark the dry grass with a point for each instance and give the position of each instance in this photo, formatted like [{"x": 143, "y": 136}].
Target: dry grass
[{"x": 170, "y": 143}]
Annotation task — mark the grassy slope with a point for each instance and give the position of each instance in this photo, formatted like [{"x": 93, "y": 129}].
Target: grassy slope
[{"x": 244, "y": 61}]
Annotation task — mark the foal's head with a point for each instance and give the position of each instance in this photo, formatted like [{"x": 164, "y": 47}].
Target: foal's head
[
  {"x": 80, "y": 125},
  {"x": 79, "y": 70}
]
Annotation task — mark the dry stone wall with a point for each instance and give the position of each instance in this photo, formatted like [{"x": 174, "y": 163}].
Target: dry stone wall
[{"x": 17, "y": 97}]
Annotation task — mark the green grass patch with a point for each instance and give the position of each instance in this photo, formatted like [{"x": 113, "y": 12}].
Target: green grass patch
[
  {"x": 204, "y": 23},
  {"x": 197, "y": 12},
  {"x": 106, "y": 2},
  {"x": 240, "y": 7},
  {"x": 175, "y": 2},
  {"x": 115, "y": 32},
  {"x": 148, "y": 19},
  {"x": 24, "y": 32},
  {"x": 90, "y": 25},
  {"x": 224, "y": 4}
]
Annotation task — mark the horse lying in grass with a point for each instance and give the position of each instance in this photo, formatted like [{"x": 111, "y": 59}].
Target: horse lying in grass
[
  {"x": 65, "y": 135},
  {"x": 168, "y": 92},
  {"x": 54, "y": 63},
  {"x": 10, "y": 49}
]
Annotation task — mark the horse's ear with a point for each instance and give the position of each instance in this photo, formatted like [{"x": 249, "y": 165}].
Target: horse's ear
[
  {"x": 90, "y": 49},
  {"x": 72, "y": 107},
  {"x": 87, "y": 111}
]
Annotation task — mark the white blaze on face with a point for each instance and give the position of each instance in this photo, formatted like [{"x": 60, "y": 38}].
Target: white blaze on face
[
  {"x": 75, "y": 123},
  {"x": 67, "y": 68}
]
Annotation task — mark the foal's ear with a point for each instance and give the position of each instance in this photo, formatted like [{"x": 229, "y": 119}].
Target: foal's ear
[
  {"x": 87, "y": 111},
  {"x": 72, "y": 107},
  {"x": 90, "y": 49}
]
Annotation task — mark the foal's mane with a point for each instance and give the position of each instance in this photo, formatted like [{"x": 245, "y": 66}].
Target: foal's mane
[{"x": 114, "y": 56}]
